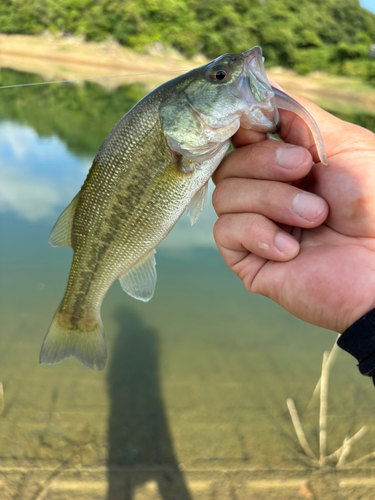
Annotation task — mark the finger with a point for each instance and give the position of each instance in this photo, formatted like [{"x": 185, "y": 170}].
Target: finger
[
  {"x": 275, "y": 200},
  {"x": 247, "y": 268},
  {"x": 244, "y": 136},
  {"x": 271, "y": 160},
  {"x": 238, "y": 234}
]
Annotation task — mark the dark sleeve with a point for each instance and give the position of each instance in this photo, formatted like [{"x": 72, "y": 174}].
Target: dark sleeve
[{"x": 359, "y": 341}]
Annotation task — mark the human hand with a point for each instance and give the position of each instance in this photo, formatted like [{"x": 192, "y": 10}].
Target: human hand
[{"x": 267, "y": 191}]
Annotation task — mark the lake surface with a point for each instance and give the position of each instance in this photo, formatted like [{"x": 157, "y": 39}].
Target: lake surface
[{"x": 192, "y": 403}]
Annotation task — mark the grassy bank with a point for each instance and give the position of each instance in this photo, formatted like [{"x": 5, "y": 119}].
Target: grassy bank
[{"x": 71, "y": 58}]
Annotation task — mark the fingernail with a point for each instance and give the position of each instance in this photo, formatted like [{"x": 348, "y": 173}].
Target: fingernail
[
  {"x": 285, "y": 243},
  {"x": 308, "y": 206},
  {"x": 290, "y": 157}
]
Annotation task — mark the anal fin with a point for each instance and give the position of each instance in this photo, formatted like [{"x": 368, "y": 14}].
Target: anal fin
[{"x": 140, "y": 280}]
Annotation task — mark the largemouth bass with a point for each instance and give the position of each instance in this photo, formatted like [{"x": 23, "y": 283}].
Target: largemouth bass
[{"x": 154, "y": 165}]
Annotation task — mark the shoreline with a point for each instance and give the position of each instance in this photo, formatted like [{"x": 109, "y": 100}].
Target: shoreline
[{"x": 69, "y": 58}]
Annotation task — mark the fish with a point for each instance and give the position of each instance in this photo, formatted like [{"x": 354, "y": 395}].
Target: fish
[{"x": 152, "y": 167}]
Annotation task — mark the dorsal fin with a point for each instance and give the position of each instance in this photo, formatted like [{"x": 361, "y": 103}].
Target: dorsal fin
[{"x": 62, "y": 231}]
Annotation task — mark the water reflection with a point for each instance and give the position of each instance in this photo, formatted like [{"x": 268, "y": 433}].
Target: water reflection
[
  {"x": 80, "y": 115},
  {"x": 138, "y": 434},
  {"x": 226, "y": 360},
  {"x": 39, "y": 176}
]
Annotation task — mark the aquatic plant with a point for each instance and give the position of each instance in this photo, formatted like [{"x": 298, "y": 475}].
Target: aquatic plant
[{"x": 337, "y": 459}]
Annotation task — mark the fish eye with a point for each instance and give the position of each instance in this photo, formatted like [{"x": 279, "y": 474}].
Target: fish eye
[{"x": 219, "y": 74}]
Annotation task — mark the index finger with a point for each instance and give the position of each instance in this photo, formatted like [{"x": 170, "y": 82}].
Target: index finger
[{"x": 244, "y": 137}]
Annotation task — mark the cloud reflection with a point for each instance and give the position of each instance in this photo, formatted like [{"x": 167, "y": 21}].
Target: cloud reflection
[
  {"x": 39, "y": 177},
  {"x": 28, "y": 198}
]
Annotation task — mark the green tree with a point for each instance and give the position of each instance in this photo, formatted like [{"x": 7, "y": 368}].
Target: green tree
[{"x": 329, "y": 35}]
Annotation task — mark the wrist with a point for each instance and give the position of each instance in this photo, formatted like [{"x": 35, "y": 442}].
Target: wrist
[{"x": 359, "y": 341}]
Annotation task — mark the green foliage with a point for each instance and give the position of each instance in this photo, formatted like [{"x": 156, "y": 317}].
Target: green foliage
[
  {"x": 364, "y": 120},
  {"x": 80, "y": 115},
  {"x": 306, "y": 35}
]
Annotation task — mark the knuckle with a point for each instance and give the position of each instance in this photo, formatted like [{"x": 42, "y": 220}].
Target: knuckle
[
  {"x": 220, "y": 193},
  {"x": 257, "y": 227},
  {"x": 267, "y": 192},
  {"x": 252, "y": 221},
  {"x": 220, "y": 227},
  {"x": 250, "y": 155},
  {"x": 216, "y": 195},
  {"x": 259, "y": 152}
]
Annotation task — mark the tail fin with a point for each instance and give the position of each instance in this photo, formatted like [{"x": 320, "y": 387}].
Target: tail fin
[{"x": 88, "y": 346}]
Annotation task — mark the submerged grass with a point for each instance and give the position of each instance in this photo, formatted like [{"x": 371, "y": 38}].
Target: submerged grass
[{"x": 337, "y": 459}]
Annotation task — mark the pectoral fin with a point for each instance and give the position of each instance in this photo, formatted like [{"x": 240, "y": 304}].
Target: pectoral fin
[
  {"x": 140, "y": 281},
  {"x": 62, "y": 231},
  {"x": 197, "y": 204}
]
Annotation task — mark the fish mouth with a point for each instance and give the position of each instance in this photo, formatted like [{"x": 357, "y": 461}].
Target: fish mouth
[{"x": 253, "y": 87}]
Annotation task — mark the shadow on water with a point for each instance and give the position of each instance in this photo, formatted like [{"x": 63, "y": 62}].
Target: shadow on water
[{"x": 139, "y": 437}]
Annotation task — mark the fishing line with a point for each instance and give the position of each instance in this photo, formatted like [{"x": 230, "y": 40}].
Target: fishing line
[{"x": 88, "y": 79}]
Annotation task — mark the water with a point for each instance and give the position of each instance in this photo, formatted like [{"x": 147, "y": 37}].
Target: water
[{"x": 192, "y": 403}]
